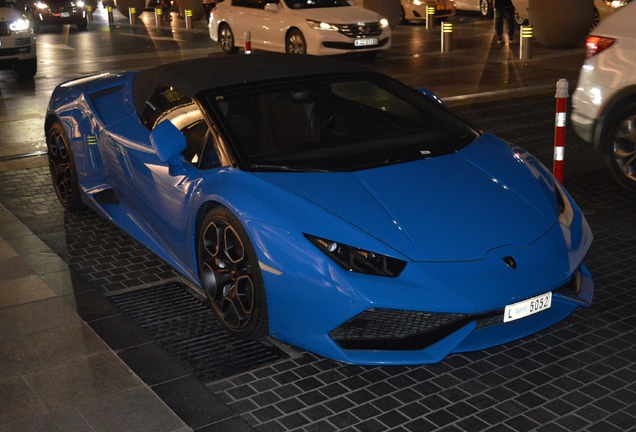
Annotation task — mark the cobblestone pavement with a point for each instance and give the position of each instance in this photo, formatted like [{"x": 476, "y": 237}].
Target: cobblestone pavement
[{"x": 577, "y": 375}]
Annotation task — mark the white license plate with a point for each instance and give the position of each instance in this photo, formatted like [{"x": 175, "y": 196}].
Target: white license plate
[
  {"x": 528, "y": 307},
  {"x": 365, "y": 42},
  {"x": 65, "y": 14}
]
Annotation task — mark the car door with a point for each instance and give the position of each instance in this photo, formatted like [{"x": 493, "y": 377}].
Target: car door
[
  {"x": 159, "y": 188},
  {"x": 267, "y": 25}
]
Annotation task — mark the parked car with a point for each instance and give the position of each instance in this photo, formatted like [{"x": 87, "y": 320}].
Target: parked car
[
  {"x": 484, "y": 7},
  {"x": 604, "y": 102},
  {"x": 417, "y": 9},
  {"x": 17, "y": 42},
  {"x": 57, "y": 12},
  {"x": 324, "y": 204},
  {"x": 602, "y": 8},
  {"x": 320, "y": 27}
]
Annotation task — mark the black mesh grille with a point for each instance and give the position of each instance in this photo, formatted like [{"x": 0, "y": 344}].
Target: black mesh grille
[
  {"x": 71, "y": 8},
  {"x": 14, "y": 51},
  {"x": 360, "y": 30},
  {"x": 389, "y": 329}
]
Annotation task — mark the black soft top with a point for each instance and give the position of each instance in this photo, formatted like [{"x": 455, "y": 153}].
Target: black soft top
[{"x": 193, "y": 76}]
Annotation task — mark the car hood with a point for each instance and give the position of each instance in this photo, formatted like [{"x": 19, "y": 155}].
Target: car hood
[
  {"x": 339, "y": 15},
  {"x": 456, "y": 207},
  {"x": 10, "y": 14}
]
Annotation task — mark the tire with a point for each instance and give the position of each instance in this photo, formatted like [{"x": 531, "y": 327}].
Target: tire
[
  {"x": 62, "y": 167},
  {"x": 227, "y": 40},
  {"x": 295, "y": 42},
  {"x": 485, "y": 8},
  {"x": 520, "y": 21},
  {"x": 27, "y": 69},
  {"x": 620, "y": 145},
  {"x": 82, "y": 25},
  {"x": 230, "y": 275},
  {"x": 596, "y": 19}
]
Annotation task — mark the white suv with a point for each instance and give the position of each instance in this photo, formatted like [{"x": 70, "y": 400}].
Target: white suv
[
  {"x": 318, "y": 27},
  {"x": 17, "y": 42},
  {"x": 604, "y": 102}
]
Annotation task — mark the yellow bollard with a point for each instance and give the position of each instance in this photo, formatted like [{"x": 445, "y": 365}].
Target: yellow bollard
[
  {"x": 525, "y": 43},
  {"x": 132, "y": 15},
  {"x": 188, "y": 14},
  {"x": 447, "y": 37},
  {"x": 158, "y": 16},
  {"x": 430, "y": 17}
]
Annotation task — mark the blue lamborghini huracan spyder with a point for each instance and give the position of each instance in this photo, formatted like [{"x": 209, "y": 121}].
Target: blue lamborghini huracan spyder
[{"x": 328, "y": 206}]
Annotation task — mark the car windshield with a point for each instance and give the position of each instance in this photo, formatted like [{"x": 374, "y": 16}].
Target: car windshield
[
  {"x": 310, "y": 4},
  {"x": 336, "y": 124}
]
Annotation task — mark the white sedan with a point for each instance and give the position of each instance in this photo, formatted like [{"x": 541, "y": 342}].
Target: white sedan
[{"x": 318, "y": 27}]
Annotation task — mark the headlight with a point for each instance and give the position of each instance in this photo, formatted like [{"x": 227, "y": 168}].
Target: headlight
[
  {"x": 615, "y": 3},
  {"x": 319, "y": 25},
  {"x": 564, "y": 207},
  {"x": 19, "y": 25},
  {"x": 384, "y": 23},
  {"x": 41, "y": 5},
  {"x": 417, "y": 2},
  {"x": 359, "y": 260},
  {"x": 80, "y": 4}
]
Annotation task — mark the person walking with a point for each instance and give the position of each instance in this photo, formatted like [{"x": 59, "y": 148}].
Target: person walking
[{"x": 504, "y": 9}]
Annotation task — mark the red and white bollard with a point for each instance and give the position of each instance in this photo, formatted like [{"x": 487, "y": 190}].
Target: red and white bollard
[
  {"x": 559, "y": 128},
  {"x": 248, "y": 42}
]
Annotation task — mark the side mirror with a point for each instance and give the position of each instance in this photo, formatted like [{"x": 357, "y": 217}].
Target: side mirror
[
  {"x": 272, "y": 7},
  {"x": 168, "y": 142},
  {"x": 432, "y": 96}
]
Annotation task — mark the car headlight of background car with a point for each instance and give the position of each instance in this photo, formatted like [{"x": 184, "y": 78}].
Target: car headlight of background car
[
  {"x": 359, "y": 260},
  {"x": 321, "y": 25},
  {"x": 19, "y": 25},
  {"x": 43, "y": 6},
  {"x": 616, "y": 3}
]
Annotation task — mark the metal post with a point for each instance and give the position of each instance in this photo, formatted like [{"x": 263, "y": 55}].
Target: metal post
[
  {"x": 248, "y": 42},
  {"x": 132, "y": 15},
  {"x": 559, "y": 128},
  {"x": 447, "y": 37},
  {"x": 158, "y": 16},
  {"x": 525, "y": 43},
  {"x": 430, "y": 17},
  {"x": 188, "y": 14},
  {"x": 110, "y": 15}
]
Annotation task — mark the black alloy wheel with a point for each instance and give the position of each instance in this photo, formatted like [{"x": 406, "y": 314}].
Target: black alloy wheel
[
  {"x": 295, "y": 43},
  {"x": 620, "y": 145},
  {"x": 230, "y": 275},
  {"x": 62, "y": 167},
  {"x": 226, "y": 39}
]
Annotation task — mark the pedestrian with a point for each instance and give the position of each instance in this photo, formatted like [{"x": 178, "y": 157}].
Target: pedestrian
[{"x": 504, "y": 9}]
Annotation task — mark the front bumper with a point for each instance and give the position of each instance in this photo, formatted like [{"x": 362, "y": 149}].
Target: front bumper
[
  {"x": 60, "y": 17},
  {"x": 15, "y": 50}
]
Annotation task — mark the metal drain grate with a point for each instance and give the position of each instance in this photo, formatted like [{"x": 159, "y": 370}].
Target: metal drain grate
[{"x": 186, "y": 328}]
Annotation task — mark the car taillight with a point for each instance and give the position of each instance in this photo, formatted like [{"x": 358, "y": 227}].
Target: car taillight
[{"x": 596, "y": 44}]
